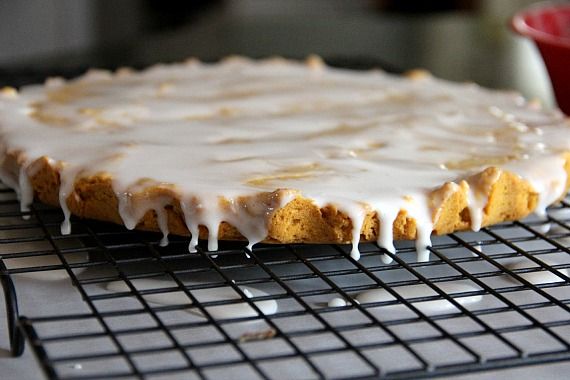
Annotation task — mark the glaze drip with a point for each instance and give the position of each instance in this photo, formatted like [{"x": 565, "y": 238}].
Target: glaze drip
[{"x": 26, "y": 192}]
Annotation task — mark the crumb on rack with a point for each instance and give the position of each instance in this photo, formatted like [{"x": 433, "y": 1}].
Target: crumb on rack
[{"x": 257, "y": 335}]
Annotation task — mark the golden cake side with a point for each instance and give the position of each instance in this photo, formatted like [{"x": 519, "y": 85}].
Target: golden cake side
[{"x": 300, "y": 221}]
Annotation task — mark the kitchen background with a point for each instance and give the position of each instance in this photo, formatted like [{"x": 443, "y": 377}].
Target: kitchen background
[{"x": 465, "y": 40}]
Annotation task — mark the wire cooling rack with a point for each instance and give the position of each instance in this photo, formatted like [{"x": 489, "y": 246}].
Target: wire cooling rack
[{"x": 511, "y": 307}]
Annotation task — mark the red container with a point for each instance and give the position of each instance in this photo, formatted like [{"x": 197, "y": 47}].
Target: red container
[{"x": 548, "y": 24}]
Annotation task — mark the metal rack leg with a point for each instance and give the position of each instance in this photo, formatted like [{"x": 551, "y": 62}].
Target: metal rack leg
[
  {"x": 37, "y": 348},
  {"x": 12, "y": 315}
]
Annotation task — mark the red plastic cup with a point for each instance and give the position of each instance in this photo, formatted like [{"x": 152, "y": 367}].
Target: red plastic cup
[{"x": 548, "y": 25}]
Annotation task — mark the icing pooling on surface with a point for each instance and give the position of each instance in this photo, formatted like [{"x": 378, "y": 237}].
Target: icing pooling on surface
[
  {"x": 226, "y": 293},
  {"x": 218, "y": 135},
  {"x": 419, "y": 291},
  {"x": 336, "y": 302}
]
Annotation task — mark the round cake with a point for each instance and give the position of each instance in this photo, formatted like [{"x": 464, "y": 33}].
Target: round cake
[{"x": 282, "y": 151}]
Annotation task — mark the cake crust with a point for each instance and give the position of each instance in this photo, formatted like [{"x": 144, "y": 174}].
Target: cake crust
[{"x": 300, "y": 221}]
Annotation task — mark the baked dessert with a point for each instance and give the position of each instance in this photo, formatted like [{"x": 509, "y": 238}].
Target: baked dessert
[{"x": 282, "y": 151}]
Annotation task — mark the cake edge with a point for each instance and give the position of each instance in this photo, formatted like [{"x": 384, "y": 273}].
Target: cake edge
[{"x": 510, "y": 197}]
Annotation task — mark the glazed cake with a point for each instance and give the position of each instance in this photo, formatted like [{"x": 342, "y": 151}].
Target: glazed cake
[{"x": 282, "y": 151}]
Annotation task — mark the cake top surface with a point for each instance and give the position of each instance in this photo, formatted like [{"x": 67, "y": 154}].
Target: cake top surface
[{"x": 357, "y": 140}]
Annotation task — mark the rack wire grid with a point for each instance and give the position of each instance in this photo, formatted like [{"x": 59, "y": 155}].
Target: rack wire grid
[
  {"x": 125, "y": 307},
  {"x": 506, "y": 317}
]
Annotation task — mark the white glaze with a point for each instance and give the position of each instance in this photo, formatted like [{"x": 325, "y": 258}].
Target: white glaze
[
  {"x": 478, "y": 247},
  {"x": 336, "y": 302},
  {"x": 415, "y": 291},
  {"x": 131, "y": 214},
  {"x": 543, "y": 228},
  {"x": 26, "y": 193},
  {"x": 386, "y": 259},
  {"x": 234, "y": 310},
  {"x": 477, "y": 196},
  {"x": 537, "y": 278},
  {"x": 387, "y": 216},
  {"x": 360, "y": 141}
]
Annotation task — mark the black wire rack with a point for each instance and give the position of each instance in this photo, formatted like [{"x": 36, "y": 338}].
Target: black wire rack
[{"x": 515, "y": 310}]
